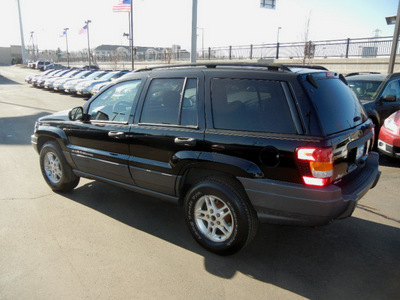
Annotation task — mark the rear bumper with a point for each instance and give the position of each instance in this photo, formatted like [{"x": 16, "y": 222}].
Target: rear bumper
[{"x": 295, "y": 204}]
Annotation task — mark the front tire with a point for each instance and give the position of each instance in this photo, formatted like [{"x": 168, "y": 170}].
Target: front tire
[
  {"x": 55, "y": 169},
  {"x": 219, "y": 216}
]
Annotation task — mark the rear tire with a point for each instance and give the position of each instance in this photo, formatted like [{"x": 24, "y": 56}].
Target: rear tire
[
  {"x": 55, "y": 169},
  {"x": 220, "y": 216}
]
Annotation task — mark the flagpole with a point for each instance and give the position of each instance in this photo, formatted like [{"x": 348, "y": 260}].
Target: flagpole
[
  {"x": 88, "y": 41},
  {"x": 131, "y": 37},
  {"x": 66, "y": 41}
]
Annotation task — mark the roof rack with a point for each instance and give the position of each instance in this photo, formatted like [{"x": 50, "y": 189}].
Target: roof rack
[
  {"x": 214, "y": 65},
  {"x": 315, "y": 67},
  {"x": 210, "y": 65},
  {"x": 361, "y": 73}
]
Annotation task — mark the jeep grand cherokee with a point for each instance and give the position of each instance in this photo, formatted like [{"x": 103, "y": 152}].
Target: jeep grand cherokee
[{"x": 232, "y": 144}]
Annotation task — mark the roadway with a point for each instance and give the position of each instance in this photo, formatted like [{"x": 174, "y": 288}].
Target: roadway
[{"x": 102, "y": 242}]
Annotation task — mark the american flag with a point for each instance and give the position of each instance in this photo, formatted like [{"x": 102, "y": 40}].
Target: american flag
[
  {"x": 83, "y": 29},
  {"x": 122, "y": 6}
]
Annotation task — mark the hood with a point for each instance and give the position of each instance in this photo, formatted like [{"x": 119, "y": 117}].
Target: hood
[{"x": 58, "y": 116}]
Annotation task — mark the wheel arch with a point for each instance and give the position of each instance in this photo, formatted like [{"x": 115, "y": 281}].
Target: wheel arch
[
  {"x": 55, "y": 134},
  {"x": 211, "y": 164}
]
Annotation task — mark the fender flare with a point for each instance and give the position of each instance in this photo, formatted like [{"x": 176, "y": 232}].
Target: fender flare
[
  {"x": 45, "y": 133},
  {"x": 217, "y": 162}
]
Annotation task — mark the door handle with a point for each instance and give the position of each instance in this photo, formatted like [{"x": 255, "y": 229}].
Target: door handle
[
  {"x": 185, "y": 141},
  {"x": 117, "y": 134}
]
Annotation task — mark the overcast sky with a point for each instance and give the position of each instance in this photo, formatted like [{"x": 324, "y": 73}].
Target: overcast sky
[{"x": 166, "y": 22}]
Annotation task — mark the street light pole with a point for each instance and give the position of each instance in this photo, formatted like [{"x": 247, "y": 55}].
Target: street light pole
[
  {"x": 277, "y": 38},
  {"x": 193, "y": 51},
  {"x": 88, "y": 40},
  {"x": 33, "y": 46},
  {"x": 395, "y": 41},
  {"x": 22, "y": 34},
  {"x": 66, "y": 41}
]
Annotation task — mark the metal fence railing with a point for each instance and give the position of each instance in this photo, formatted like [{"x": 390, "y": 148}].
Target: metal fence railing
[
  {"x": 345, "y": 48},
  {"x": 342, "y": 48}
]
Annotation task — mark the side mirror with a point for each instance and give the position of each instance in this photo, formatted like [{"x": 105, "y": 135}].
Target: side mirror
[
  {"x": 389, "y": 98},
  {"x": 76, "y": 114}
]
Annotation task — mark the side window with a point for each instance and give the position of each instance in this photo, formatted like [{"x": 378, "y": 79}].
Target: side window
[
  {"x": 171, "y": 101},
  {"x": 250, "y": 105},
  {"x": 115, "y": 104},
  {"x": 393, "y": 88}
]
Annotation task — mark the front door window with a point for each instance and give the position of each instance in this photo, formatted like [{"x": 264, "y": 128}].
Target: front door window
[{"x": 115, "y": 104}]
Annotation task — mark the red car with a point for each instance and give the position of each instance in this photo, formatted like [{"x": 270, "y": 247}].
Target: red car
[{"x": 389, "y": 136}]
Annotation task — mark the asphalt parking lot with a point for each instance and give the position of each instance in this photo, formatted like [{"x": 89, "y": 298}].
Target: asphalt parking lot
[{"x": 102, "y": 242}]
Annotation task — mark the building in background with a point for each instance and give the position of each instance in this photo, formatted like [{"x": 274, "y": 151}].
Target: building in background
[{"x": 10, "y": 55}]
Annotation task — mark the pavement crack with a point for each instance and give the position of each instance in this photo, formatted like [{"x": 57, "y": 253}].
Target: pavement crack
[
  {"x": 26, "y": 198},
  {"x": 375, "y": 211}
]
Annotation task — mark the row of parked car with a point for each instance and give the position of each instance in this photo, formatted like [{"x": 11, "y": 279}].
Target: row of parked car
[{"x": 82, "y": 81}]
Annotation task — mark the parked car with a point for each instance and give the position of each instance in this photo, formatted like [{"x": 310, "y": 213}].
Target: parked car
[
  {"x": 87, "y": 88},
  {"x": 233, "y": 144},
  {"x": 59, "y": 85},
  {"x": 39, "y": 81},
  {"x": 40, "y": 64},
  {"x": 53, "y": 66},
  {"x": 378, "y": 93},
  {"x": 49, "y": 83},
  {"x": 70, "y": 87},
  {"x": 97, "y": 87},
  {"x": 31, "y": 64},
  {"x": 91, "y": 67},
  {"x": 389, "y": 136},
  {"x": 82, "y": 87},
  {"x": 29, "y": 78}
]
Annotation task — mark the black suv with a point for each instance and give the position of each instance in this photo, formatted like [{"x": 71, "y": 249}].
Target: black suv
[
  {"x": 232, "y": 144},
  {"x": 378, "y": 93}
]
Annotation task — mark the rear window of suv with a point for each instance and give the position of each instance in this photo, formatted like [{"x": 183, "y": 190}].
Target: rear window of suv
[
  {"x": 337, "y": 106},
  {"x": 250, "y": 105}
]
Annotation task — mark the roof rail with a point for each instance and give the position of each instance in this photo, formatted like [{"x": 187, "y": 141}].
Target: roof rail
[
  {"x": 315, "y": 67},
  {"x": 361, "y": 73},
  {"x": 211, "y": 65}
]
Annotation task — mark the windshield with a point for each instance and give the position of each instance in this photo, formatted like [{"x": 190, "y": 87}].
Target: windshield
[{"x": 365, "y": 90}]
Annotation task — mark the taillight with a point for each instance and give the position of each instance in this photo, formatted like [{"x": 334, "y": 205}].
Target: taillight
[
  {"x": 393, "y": 123},
  {"x": 315, "y": 165}
]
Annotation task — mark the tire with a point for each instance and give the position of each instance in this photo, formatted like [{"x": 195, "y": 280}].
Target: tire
[
  {"x": 55, "y": 169},
  {"x": 220, "y": 216}
]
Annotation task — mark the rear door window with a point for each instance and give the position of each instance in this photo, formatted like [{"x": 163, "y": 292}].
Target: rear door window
[
  {"x": 171, "y": 101},
  {"x": 250, "y": 105}
]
